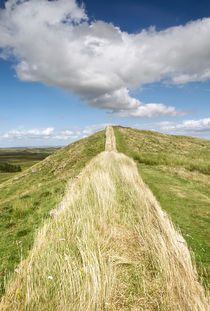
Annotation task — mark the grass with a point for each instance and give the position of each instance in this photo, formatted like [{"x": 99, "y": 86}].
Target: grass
[
  {"x": 27, "y": 198},
  {"x": 111, "y": 249},
  {"x": 176, "y": 169},
  {"x": 110, "y": 139},
  {"x": 25, "y": 157}
]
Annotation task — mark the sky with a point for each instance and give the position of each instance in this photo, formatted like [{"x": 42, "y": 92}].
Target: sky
[{"x": 68, "y": 68}]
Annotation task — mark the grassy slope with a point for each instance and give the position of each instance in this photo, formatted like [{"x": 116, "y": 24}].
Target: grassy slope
[
  {"x": 176, "y": 169},
  {"x": 27, "y": 199},
  {"x": 111, "y": 249},
  {"x": 25, "y": 157}
]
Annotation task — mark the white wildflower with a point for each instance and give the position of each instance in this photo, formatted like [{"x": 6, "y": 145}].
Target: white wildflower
[{"x": 50, "y": 277}]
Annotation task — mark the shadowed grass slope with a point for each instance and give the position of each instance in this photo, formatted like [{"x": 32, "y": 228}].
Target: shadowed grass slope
[
  {"x": 25, "y": 200},
  {"x": 112, "y": 249},
  {"x": 176, "y": 168}
]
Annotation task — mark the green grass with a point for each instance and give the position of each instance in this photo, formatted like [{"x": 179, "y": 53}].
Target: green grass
[
  {"x": 176, "y": 168},
  {"x": 110, "y": 249},
  {"x": 25, "y": 157},
  {"x": 25, "y": 200}
]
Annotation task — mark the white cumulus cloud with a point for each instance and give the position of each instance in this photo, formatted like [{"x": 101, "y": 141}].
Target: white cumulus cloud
[
  {"x": 49, "y": 135},
  {"x": 54, "y": 43},
  {"x": 150, "y": 111},
  {"x": 202, "y": 125},
  {"x": 197, "y": 128},
  {"x": 32, "y": 133}
]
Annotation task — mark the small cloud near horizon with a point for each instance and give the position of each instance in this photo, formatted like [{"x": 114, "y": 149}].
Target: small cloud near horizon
[
  {"x": 195, "y": 128},
  {"x": 46, "y": 136},
  {"x": 54, "y": 137}
]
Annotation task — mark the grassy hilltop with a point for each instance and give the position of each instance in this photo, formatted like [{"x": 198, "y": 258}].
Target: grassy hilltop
[
  {"x": 177, "y": 170},
  {"x": 25, "y": 200},
  {"x": 108, "y": 245}
]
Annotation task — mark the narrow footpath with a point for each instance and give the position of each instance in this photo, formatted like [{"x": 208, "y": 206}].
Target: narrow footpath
[{"x": 110, "y": 139}]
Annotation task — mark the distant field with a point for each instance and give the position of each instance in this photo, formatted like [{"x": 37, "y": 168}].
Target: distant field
[
  {"x": 25, "y": 157},
  {"x": 177, "y": 170}
]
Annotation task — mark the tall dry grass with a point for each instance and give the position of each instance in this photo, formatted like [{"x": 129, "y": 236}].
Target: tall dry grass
[{"x": 112, "y": 248}]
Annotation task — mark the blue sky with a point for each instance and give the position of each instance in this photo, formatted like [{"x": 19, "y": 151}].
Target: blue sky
[{"x": 107, "y": 84}]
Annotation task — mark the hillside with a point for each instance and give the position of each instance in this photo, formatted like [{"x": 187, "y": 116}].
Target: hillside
[
  {"x": 25, "y": 200},
  {"x": 108, "y": 246},
  {"x": 177, "y": 170}
]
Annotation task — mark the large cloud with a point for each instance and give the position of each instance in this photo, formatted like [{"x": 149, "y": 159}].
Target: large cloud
[{"x": 54, "y": 43}]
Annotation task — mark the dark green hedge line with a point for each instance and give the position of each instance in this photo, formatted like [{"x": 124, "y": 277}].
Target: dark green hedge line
[{"x": 9, "y": 168}]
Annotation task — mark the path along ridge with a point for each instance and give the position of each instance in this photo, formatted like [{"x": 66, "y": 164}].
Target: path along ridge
[
  {"x": 110, "y": 144},
  {"x": 122, "y": 236}
]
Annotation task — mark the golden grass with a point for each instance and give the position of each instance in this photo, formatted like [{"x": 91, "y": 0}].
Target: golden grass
[
  {"x": 112, "y": 248},
  {"x": 27, "y": 198},
  {"x": 176, "y": 169}
]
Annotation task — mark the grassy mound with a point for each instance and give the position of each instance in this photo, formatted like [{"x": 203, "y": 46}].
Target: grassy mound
[
  {"x": 25, "y": 200},
  {"x": 177, "y": 169},
  {"x": 111, "y": 249}
]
